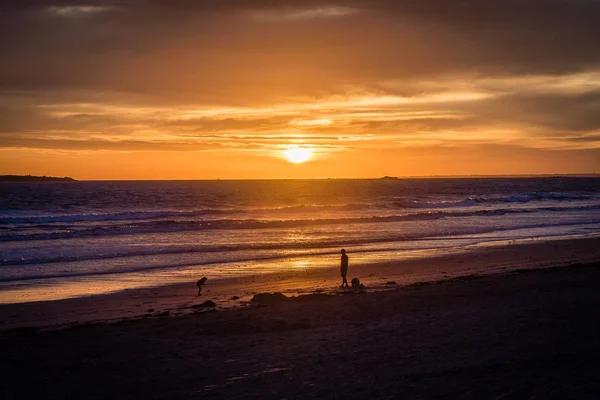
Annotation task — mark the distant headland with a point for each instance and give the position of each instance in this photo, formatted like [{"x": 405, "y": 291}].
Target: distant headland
[
  {"x": 31, "y": 178},
  {"x": 389, "y": 178}
]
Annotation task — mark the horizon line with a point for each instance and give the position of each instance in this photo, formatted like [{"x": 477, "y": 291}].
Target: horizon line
[{"x": 385, "y": 177}]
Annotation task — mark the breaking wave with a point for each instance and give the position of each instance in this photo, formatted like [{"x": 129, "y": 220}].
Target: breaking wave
[{"x": 172, "y": 225}]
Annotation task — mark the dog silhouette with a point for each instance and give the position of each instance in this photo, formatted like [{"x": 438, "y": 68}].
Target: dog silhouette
[{"x": 200, "y": 283}]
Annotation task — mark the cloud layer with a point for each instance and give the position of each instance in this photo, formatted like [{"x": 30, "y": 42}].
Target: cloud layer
[{"x": 339, "y": 76}]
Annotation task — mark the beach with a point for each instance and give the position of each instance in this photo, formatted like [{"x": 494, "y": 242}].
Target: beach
[
  {"x": 76, "y": 239},
  {"x": 299, "y": 199},
  {"x": 528, "y": 329}
]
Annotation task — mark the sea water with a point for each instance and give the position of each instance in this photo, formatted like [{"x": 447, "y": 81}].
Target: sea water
[{"x": 64, "y": 239}]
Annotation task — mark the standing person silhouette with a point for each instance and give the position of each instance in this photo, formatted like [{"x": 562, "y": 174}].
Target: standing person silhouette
[{"x": 344, "y": 268}]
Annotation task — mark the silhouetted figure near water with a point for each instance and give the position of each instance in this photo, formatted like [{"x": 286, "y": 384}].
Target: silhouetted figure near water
[{"x": 344, "y": 268}]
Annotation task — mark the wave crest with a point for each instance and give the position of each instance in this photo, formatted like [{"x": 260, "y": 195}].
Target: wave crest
[{"x": 170, "y": 225}]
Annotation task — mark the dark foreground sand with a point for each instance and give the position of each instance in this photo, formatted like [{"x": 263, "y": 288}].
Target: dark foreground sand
[{"x": 531, "y": 334}]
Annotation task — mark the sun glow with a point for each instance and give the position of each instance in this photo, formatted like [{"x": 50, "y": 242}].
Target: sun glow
[{"x": 298, "y": 155}]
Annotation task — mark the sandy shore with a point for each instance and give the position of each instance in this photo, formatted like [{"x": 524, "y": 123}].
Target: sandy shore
[{"x": 519, "y": 333}]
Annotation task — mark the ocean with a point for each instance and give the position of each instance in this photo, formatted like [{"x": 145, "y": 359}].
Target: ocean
[{"x": 66, "y": 239}]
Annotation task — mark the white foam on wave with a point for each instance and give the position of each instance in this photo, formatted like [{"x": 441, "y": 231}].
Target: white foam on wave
[
  {"x": 131, "y": 227},
  {"x": 479, "y": 200}
]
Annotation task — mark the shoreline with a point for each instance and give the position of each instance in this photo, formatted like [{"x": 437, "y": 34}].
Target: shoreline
[
  {"x": 59, "y": 288},
  {"x": 518, "y": 334},
  {"x": 177, "y": 299}
]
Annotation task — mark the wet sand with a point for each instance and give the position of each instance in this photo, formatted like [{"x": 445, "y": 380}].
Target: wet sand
[
  {"x": 179, "y": 299},
  {"x": 529, "y": 330}
]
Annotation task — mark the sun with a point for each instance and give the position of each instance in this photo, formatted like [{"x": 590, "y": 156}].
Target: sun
[{"x": 297, "y": 154}]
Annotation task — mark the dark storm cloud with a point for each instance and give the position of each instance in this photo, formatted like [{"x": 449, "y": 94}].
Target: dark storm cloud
[
  {"x": 383, "y": 38},
  {"x": 581, "y": 15}
]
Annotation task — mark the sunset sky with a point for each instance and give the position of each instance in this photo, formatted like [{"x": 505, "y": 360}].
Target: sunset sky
[{"x": 206, "y": 89}]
